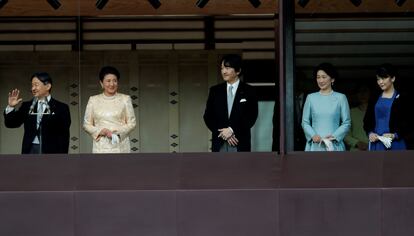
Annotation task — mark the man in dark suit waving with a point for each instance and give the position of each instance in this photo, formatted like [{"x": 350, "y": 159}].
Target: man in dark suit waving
[
  {"x": 46, "y": 120},
  {"x": 231, "y": 109}
]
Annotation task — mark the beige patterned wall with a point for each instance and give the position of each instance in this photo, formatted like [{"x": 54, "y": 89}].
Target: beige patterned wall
[{"x": 168, "y": 89}]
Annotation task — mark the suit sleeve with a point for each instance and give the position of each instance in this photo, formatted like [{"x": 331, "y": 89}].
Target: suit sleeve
[
  {"x": 253, "y": 110},
  {"x": 65, "y": 121},
  {"x": 248, "y": 115},
  {"x": 16, "y": 118},
  {"x": 209, "y": 111}
]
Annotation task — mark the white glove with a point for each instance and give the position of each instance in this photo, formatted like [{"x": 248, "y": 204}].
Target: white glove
[
  {"x": 386, "y": 141},
  {"x": 328, "y": 144},
  {"x": 115, "y": 139}
]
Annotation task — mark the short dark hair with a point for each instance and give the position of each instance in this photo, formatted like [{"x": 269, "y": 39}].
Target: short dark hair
[
  {"x": 232, "y": 60},
  {"x": 108, "y": 70},
  {"x": 328, "y": 68},
  {"x": 386, "y": 70},
  {"x": 43, "y": 77}
]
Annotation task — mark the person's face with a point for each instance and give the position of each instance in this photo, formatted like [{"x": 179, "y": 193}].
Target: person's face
[
  {"x": 110, "y": 84},
  {"x": 324, "y": 80},
  {"x": 385, "y": 83},
  {"x": 39, "y": 89},
  {"x": 229, "y": 74}
]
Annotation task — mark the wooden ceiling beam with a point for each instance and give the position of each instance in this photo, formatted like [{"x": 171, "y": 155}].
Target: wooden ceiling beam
[{"x": 25, "y": 8}]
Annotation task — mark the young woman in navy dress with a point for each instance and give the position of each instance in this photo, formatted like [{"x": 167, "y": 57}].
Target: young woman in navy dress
[{"x": 387, "y": 114}]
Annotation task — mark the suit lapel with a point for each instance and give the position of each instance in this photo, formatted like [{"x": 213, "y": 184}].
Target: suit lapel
[
  {"x": 52, "y": 105},
  {"x": 223, "y": 94}
]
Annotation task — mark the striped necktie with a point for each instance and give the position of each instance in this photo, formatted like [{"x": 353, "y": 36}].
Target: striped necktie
[{"x": 41, "y": 105}]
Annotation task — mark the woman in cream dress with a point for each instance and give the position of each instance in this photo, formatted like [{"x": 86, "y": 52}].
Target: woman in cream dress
[{"x": 109, "y": 116}]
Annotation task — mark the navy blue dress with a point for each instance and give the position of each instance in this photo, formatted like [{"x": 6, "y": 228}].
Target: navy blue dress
[{"x": 382, "y": 121}]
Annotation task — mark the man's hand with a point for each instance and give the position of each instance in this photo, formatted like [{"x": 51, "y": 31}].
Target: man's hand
[
  {"x": 225, "y": 133},
  {"x": 233, "y": 141},
  {"x": 14, "y": 98}
]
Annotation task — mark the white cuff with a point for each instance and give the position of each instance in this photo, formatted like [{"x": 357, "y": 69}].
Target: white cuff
[
  {"x": 9, "y": 109},
  {"x": 231, "y": 130}
]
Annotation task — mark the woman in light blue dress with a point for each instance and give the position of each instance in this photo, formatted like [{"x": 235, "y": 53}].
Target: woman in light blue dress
[{"x": 326, "y": 118}]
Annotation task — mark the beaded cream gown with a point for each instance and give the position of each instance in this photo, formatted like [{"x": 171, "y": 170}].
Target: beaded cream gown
[{"x": 114, "y": 113}]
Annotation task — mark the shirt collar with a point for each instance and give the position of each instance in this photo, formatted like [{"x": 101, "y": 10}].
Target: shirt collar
[
  {"x": 47, "y": 98},
  {"x": 235, "y": 85}
]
